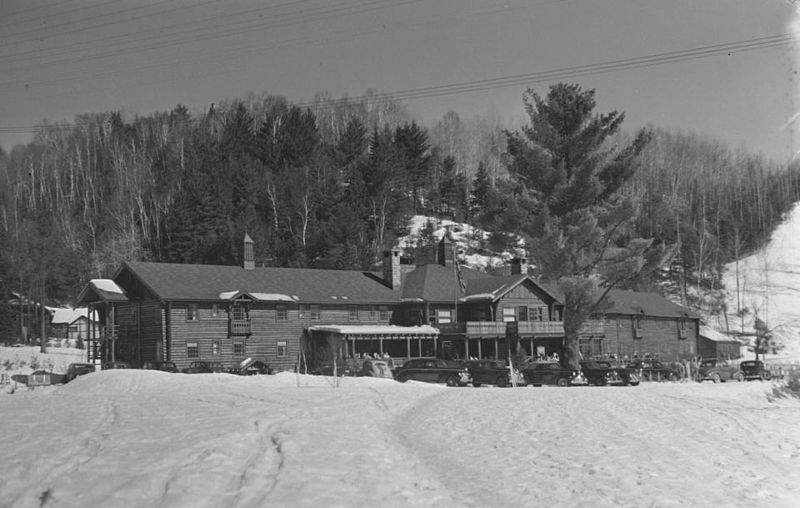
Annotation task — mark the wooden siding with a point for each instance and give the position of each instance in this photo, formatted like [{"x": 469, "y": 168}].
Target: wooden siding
[
  {"x": 266, "y": 331},
  {"x": 658, "y": 337},
  {"x": 523, "y": 296}
]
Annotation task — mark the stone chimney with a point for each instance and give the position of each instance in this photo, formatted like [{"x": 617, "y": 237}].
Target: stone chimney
[
  {"x": 519, "y": 266},
  {"x": 391, "y": 268},
  {"x": 249, "y": 258}
]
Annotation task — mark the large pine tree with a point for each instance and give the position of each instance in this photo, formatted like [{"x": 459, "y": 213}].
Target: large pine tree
[{"x": 581, "y": 239}]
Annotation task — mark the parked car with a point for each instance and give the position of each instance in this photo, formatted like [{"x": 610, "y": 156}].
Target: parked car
[
  {"x": 375, "y": 368},
  {"x": 116, "y": 365},
  {"x": 78, "y": 369},
  {"x": 203, "y": 367},
  {"x": 493, "y": 372},
  {"x": 755, "y": 369},
  {"x": 551, "y": 373},
  {"x": 602, "y": 372},
  {"x": 251, "y": 367},
  {"x": 654, "y": 370},
  {"x": 433, "y": 370},
  {"x": 163, "y": 365},
  {"x": 718, "y": 371}
]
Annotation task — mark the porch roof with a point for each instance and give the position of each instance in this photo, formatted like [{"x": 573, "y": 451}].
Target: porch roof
[{"x": 423, "y": 330}]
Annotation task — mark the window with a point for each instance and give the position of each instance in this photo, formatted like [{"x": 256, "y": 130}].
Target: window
[
  {"x": 238, "y": 349},
  {"x": 215, "y": 348},
  {"x": 353, "y": 310},
  {"x": 215, "y": 310},
  {"x": 509, "y": 314},
  {"x": 239, "y": 312},
  {"x": 73, "y": 328},
  {"x": 280, "y": 313},
  {"x": 522, "y": 313},
  {"x": 280, "y": 348},
  {"x": 309, "y": 311},
  {"x": 444, "y": 316},
  {"x": 191, "y": 313},
  {"x": 192, "y": 351},
  {"x": 537, "y": 314},
  {"x": 373, "y": 313},
  {"x": 384, "y": 310}
]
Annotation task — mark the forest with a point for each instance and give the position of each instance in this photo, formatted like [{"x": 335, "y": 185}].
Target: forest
[{"x": 332, "y": 183}]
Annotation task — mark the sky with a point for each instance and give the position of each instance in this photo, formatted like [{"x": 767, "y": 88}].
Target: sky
[
  {"x": 122, "y": 438},
  {"x": 722, "y": 68}
]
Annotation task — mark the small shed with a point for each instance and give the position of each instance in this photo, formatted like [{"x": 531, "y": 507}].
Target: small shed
[{"x": 715, "y": 344}]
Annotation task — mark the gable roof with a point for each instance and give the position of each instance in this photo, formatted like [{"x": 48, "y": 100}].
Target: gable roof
[
  {"x": 494, "y": 288},
  {"x": 648, "y": 304},
  {"x": 437, "y": 283},
  {"x": 187, "y": 282},
  {"x": 102, "y": 290}
]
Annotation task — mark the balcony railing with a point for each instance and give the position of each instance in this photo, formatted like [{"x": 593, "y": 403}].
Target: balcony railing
[
  {"x": 495, "y": 328},
  {"x": 239, "y": 327}
]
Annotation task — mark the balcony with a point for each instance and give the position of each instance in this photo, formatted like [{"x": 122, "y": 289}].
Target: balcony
[
  {"x": 498, "y": 329},
  {"x": 239, "y": 327}
]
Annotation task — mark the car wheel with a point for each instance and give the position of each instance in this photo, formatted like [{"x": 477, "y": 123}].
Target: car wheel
[
  {"x": 601, "y": 381},
  {"x": 502, "y": 381},
  {"x": 766, "y": 376},
  {"x": 715, "y": 377},
  {"x": 562, "y": 381},
  {"x": 634, "y": 383},
  {"x": 452, "y": 381},
  {"x": 476, "y": 385},
  {"x": 402, "y": 378},
  {"x": 739, "y": 377}
]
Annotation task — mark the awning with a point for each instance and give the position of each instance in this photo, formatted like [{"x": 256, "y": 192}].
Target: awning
[{"x": 378, "y": 331}]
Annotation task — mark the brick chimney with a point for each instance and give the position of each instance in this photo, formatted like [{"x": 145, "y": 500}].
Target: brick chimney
[
  {"x": 391, "y": 268},
  {"x": 446, "y": 251},
  {"x": 249, "y": 258}
]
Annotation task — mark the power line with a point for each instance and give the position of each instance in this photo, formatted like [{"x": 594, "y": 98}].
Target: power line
[{"x": 543, "y": 76}]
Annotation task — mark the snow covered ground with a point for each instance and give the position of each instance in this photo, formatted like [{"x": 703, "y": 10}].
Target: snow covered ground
[{"x": 148, "y": 438}]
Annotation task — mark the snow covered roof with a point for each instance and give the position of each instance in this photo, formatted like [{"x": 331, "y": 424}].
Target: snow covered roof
[
  {"x": 264, "y": 297},
  {"x": 375, "y": 329},
  {"x": 104, "y": 290},
  {"x": 711, "y": 334},
  {"x": 67, "y": 316}
]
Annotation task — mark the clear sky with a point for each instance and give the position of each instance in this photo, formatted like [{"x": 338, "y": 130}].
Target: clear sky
[{"x": 59, "y": 58}]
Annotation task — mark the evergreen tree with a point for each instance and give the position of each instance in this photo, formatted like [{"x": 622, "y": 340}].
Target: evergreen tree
[{"x": 582, "y": 238}]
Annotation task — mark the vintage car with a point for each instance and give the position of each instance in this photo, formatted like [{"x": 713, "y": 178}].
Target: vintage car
[
  {"x": 116, "y": 365},
  {"x": 203, "y": 367},
  {"x": 493, "y": 372},
  {"x": 78, "y": 369},
  {"x": 375, "y": 368},
  {"x": 755, "y": 369},
  {"x": 251, "y": 367},
  {"x": 654, "y": 370},
  {"x": 603, "y": 372},
  {"x": 433, "y": 370},
  {"x": 551, "y": 373},
  {"x": 718, "y": 371},
  {"x": 162, "y": 365}
]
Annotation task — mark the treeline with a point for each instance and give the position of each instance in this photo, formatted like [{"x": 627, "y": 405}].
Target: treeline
[{"x": 329, "y": 185}]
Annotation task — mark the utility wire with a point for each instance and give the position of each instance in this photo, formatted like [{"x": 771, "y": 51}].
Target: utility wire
[{"x": 548, "y": 75}]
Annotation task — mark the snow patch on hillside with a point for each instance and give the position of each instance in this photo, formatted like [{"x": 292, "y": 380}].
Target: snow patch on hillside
[
  {"x": 471, "y": 241},
  {"x": 769, "y": 288}
]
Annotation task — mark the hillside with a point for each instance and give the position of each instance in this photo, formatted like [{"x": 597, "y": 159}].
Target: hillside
[{"x": 769, "y": 288}]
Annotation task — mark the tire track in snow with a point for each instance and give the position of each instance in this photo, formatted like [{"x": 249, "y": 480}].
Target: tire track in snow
[{"x": 85, "y": 448}]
